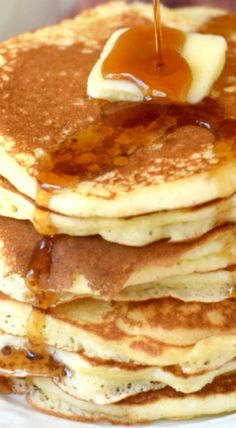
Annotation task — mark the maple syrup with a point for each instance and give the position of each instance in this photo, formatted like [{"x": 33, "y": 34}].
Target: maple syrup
[
  {"x": 150, "y": 56},
  {"x": 17, "y": 360},
  {"x": 221, "y": 25},
  {"x": 158, "y": 32},
  {"x": 129, "y": 129},
  {"x": 37, "y": 278},
  {"x": 42, "y": 220},
  {"x": 35, "y": 331},
  {"x": 38, "y": 274},
  {"x": 5, "y": 386},
  {"x": 134, "y": 58}
]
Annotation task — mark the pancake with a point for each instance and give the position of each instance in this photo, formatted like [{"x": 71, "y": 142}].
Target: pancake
[
  {"x": 94, "y": 380},
  {"x": 215, "y": 399},
  {"x": 144, "y": 327},
  {"x": 90, "y": 266},
  {"x": 202, "y": 287},
  {"x": 106, "y": 388},
  {"x": 194, "y": 336},
  {"x": 43, "y": 70},
  {"x": 175, "y": 225}
]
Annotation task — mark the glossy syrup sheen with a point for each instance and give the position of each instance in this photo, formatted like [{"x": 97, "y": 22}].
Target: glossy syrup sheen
[
  {"x": 109, "y": 142},
  {"x": 6, "y": 386},
  {"x": 150, "y": 57},
  {"x": 36, "y": 280},
  {"x": 222, "y": 25},
  {"x": 158, "y": 32},
  {"x": 134, "y": 58},
  {"x": 38, "y": 273},
  {"x": 13, "y": 361}
]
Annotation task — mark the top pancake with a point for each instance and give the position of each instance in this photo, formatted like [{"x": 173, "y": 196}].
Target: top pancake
[{"x": 43, "y": 86}]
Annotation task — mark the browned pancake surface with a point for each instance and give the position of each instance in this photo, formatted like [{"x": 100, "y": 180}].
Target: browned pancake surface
[
  {"x": 147, "y": 324},
  {"x": 45, "y": 101},
  {"x": 221, "y": 385},
  {"x": 106, "y": 266}
]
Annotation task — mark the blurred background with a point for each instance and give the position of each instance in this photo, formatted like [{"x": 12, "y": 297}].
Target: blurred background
[{"x": 18, "y": 16}]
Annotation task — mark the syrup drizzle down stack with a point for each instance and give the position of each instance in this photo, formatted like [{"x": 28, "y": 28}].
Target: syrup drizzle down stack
[{"x": 158, "y": 32}]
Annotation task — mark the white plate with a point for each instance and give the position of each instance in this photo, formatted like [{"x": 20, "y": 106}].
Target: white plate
[{"x": 15, "y": 413}]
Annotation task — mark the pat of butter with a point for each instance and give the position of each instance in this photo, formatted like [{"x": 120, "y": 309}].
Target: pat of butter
[{"x": 205, "y": 54}]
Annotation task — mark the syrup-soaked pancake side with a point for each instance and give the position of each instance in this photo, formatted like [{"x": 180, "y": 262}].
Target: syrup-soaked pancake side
[
  {"x": 37, "y": 278},
  {"x": 39, "y": 272},
  {"x": 5, "y": 386},
  {"x": 15, "y": 362}
]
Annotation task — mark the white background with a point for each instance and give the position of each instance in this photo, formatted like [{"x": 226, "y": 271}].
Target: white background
[{"x": 14, "y": 413}]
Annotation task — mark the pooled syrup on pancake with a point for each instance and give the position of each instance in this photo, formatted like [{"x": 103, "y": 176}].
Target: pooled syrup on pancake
[
  {"x": 120, "y": 134},
  {"x": 105, "y": 144},
  {"x": 109, "y": 142}
]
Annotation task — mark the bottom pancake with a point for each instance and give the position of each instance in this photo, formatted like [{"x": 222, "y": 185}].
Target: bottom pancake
[
  {"x": 94, "y": 380},
  {"x": 214, "y": 399}
]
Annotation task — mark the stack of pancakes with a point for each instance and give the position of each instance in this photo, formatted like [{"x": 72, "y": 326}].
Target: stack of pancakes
[{"x": 117, "y": 282}]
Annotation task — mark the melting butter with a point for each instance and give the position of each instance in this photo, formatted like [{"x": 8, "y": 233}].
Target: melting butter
[{"x": 204, "y": 53}]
